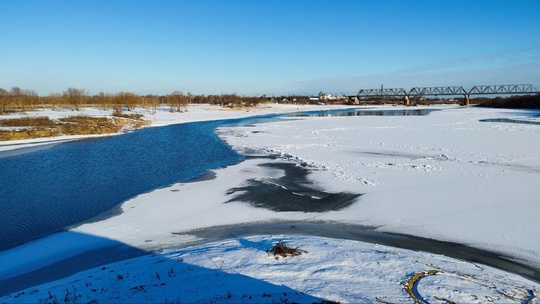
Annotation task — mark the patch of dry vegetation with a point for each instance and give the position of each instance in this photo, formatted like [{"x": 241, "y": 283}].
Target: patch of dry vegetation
[
  {"x": 283, "y": 251},
  {"x": 130, "y": 116},
  {"x": 518, "y": 294},
  {"x": 39, "y": 127},
  {"x": 411, "y": 285},
  {"x": 39, "y": 121}
]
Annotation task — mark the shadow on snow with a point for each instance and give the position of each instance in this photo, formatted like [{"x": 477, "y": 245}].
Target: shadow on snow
[{"x": 150, "y": 277}]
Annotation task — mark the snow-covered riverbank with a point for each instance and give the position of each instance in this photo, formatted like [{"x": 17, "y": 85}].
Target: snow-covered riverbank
[
  {"x": 445, "y": 176},
  {"x": 241, "y": 271}
]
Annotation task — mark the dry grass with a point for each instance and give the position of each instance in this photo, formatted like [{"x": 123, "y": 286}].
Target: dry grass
[
  {"x": 410, "y": 285},
  {"x": 282, "y": 250},
  {"x": 39, "y": 127},
  {"x": 81, "y": 125},
  {"x": 39, "y": 121},
  {"x": 130, "y": 116},
  {"x": 240, "y": 108}
]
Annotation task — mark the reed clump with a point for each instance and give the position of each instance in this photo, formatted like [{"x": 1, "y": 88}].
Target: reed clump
[{"x": 280, "y": 250}]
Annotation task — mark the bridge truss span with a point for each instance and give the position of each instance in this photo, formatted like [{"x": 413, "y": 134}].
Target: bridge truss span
[
  {"x": 503, "y": 89},
  {"x": 449, "y": 91},
  {"x": 434, "y": 91},
  {"x": 382, "y": 92}
]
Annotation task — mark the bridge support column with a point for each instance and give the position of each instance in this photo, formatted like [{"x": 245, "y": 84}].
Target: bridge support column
[
  {"x": 407, "y": 102},
  {"x": 466, "y": 102}
]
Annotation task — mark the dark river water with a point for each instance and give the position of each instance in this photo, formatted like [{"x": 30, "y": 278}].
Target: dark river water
[{"x": 48, "y": 190}]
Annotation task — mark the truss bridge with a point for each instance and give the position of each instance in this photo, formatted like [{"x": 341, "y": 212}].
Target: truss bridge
[
  {"x": 503, "y": 89},
  {"x": 382, "y": 92},
  {"x": 448, "y": 91}
]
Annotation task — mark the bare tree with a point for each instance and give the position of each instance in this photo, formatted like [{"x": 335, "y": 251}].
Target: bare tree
[
  {"x": 55, "y": 100},
  {"x": 18, "y": 99},
  {"x": 16, "y": 91},
  {"x": 151, "y": 102},
  {"x": 4, "y": 101},
  {"x": 177, "y": 101},
  {"x": 29, "y": 98},
  {"x": 104, "y": 100},
  {"x": 75, "y": 97}
]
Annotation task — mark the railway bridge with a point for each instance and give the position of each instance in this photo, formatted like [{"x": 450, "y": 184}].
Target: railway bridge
[{"x": 505, "y": 89}]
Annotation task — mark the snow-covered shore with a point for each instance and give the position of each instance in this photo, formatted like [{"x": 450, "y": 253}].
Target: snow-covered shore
[
  {"x": 241, "y": 271},
  {"x": 446, "y": 176}
]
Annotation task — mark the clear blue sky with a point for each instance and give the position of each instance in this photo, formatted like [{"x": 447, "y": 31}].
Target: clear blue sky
[{"x": 266, "y": 47}]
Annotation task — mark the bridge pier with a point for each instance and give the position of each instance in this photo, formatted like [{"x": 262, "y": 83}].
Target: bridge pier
[
  {"x": 466, "y": 102},
  {"x": 407, "y": 101}
]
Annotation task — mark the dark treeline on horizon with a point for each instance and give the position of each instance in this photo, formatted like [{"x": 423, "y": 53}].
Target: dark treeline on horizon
[
  {"x": 17, "y": 99},
  {"x": 514, "y": 101}
]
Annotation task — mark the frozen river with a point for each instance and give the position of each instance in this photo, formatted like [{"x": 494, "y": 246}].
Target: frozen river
[{"x": 52, "y": 189}]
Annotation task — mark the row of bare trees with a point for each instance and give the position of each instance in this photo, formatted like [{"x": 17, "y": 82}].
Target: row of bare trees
[{"x": 17, "y": 99}]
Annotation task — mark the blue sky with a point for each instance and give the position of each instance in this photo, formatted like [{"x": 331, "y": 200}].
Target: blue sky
[{"x": 266, "y": 47}]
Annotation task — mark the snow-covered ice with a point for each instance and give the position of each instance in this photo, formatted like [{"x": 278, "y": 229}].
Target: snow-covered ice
[{"x": 445, "y": 176}]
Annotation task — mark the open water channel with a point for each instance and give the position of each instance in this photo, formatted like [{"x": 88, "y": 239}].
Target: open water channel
[{"x": 51, "y": 189}]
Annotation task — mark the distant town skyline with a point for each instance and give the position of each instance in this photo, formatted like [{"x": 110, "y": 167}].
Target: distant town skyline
[{"x": 266, "y": 47}]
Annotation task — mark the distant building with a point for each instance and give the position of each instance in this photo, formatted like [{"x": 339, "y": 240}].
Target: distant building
[{"x": 328, "y": 96}]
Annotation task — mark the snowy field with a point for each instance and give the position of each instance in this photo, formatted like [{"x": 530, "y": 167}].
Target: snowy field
[
  {"x": 445, "y": 176},
  {"x": 241, "y": 271}
]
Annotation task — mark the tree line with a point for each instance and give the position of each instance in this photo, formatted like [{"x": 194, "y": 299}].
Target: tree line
[
  {"x": 17, "y": 99},
  {"x": 515, "y": 102}
]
